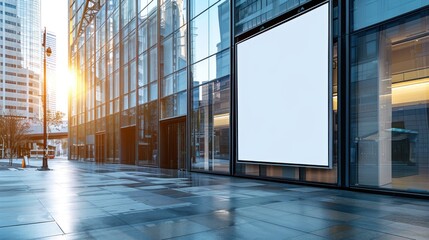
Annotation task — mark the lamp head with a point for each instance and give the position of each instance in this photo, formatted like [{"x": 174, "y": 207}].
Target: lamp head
[{"x": 48, "y": 51}]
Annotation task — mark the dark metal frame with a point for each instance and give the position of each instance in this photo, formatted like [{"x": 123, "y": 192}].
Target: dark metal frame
[{"x": 281, "y": 20}]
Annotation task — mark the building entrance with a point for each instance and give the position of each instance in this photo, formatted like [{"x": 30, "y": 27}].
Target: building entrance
[
  {"x": 128, "y": 145},
  {"x": 173, "y": 144},
  {"x": 99, "y": 147}
]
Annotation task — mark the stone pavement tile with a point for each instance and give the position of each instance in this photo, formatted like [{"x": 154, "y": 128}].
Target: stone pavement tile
[
  {"x": 406, "y": 217},
  {"x": 261, "y": 213},
  {"x": 66, "y": 214},
  {"x": 214, "y": 202},
  {"x": 390, "y": 237},
  {"x": 392, "y": 228},
  {"x": 259, "y": 230},
  {"x": 311, "y": 211},
  {"x": 73, "y": 225},
  {"x": 301, "y": 223},
  {"x": 123, "y": 208},
  {"x": 308, "y": 236},
  {"x": 30, "y": 231},
  {"x": 170, "y": 228},
  {"x": 220, "y": 219},
  {"x": 114, "y": 233},
  {"x": 22, "y": 218},
  {"x": 360, "y": 210},
  {"x": 344, "y": 231},
  {"x": 145, "y": 216}
]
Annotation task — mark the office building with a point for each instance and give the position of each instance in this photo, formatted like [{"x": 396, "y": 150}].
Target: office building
[
  {"x": 315, "y": 91},
  {"x": 20, "y": 57}
]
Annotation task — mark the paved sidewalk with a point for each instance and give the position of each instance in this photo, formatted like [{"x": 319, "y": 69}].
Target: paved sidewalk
[{"x": 82, "y": 200}]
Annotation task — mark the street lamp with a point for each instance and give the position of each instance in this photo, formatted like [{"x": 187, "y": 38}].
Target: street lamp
[{"x": 48, "y": 52}]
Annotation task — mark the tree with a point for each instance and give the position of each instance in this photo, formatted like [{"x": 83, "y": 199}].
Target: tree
[
  {"x": 14, "y": 131},
  {"x": 55, "y": 120}
]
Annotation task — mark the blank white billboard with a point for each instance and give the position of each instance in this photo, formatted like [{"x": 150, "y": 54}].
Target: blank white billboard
[{"x": 283, "y": 93}]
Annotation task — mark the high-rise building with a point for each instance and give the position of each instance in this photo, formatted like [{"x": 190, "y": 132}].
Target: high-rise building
[
  {"x": 20, "y": 57},
  {"x": 51, "y": 72},
  {"x": 314, "y": 91}
]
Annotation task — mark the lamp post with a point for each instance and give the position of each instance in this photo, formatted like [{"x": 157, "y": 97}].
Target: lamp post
[{"x": 46, "y": 51}]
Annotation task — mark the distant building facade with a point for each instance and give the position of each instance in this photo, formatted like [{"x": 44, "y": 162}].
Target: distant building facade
[
  {"x": 20, "y": 58},
  {"x": 156, "y": 84}
]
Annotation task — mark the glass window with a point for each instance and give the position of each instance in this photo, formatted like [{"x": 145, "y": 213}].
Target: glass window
[
  {"x": 125, "y": 102},
  {"x": 200, "y": 37},
  {"x": 153, "y": 30},
  {"x": 250, "y": 14},
  {"x": 115, "y": 22},
  {"x": 143, "y": 37},
  {"x": 132, "y": 99},
  {"x": 153, "y": 63},
  {"x": 167, "y": 19},
  {"x": 200, "y": 72},
  {"x": 197, "y": 6},
  {"x": 132, "y": 46},
  {"x": 179, "y": 48},
  {"x": 133, "y": 76},
  {"x": 210, "y": 126},
  {"x": 112, "y": 5},
  {"x": 168, "y": 106},
  {"x": 167, "y": 57},
  {"x": 125, "y": 48},
  {"x": 219, "y": 65},
  {"x": 181, "y": 103},
  {"x": 148, "y": 134},
  {"x": 210, "y": 32},
  {"x": 153, "y": 94},
  {"x": 181, "y": 80},
  {"x": 116, "y": 85},
  {"x": 99, "y": 93},
  {"x": 143, "y": 73},
  {"x": 389, "y": 105},
  {"x": 174, "y": 105},
  {"x": 142, "y": 4},
  {"x": 128, "y": 11},
  {"x": 168, "y": 86},
  {"x": 143, "y": 96},
  {"x": 125, "y": 80},
  {"x": 117, "y": 55},
  {"x": 369, "y": 12},
  {"x": 219, "y": 27}
]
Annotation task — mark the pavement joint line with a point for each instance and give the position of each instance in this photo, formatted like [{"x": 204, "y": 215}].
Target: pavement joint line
[{"x": 26, "y": 224}]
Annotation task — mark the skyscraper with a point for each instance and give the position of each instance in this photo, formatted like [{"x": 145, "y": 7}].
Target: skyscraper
[{"x": 20, "y": 58}]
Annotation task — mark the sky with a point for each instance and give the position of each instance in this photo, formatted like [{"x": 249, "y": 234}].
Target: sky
[{"x": 55, "y": 19}]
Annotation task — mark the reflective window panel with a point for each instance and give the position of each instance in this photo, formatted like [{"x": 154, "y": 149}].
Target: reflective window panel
[{"x": 389, "y": 106}]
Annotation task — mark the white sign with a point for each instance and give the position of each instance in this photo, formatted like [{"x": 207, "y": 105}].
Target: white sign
[{"x": 283, "y": 93}]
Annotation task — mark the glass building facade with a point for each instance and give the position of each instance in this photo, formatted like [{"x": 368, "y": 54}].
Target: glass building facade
[{"x": 156, "y": 85}]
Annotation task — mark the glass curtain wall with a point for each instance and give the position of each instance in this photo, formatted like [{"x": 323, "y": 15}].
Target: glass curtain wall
[
  {"x": 113, "y": 80},
  {"x": 147, "y": 83},
  {"x": 210, "y": 81},
  {"x": 173, "y": 55},
  {"x": 390, "y": 104},
  {"x": 100, "y": 71},
  {"x": 128, "y": 73},
  {"x": 250, "y": 14}
]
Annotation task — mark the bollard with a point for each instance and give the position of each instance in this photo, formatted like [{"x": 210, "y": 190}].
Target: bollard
[{"x": 23, "y": 163}]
